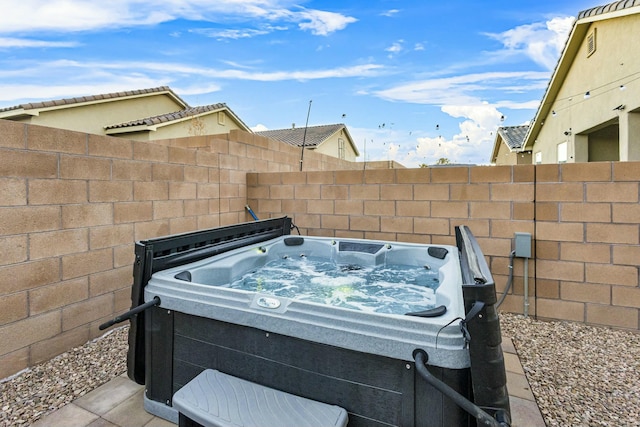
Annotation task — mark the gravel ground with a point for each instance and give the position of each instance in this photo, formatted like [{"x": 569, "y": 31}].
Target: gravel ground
[{"x": 580, "y": 375}]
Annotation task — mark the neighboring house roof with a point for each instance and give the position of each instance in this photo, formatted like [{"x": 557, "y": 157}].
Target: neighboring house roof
[
  {"x": 512, "y": 136},
  {"x": 571, "y": 48},
  {"x": 188, "y": 113},
  {"x": 33, "y": 108},
  {"x": 315, "y": 135}
]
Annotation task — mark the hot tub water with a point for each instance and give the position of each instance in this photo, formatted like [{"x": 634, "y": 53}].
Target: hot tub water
[{"x": 389, "y": 289}]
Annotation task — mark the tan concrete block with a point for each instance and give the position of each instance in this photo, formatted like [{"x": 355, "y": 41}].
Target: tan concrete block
[
  {"x": 60, "y": 294},
  {"x": 228, "y": 191},
  {"x": 585, "y": 172},
  {"x": 384, "y": 176},
  {"x": 108, "y": 236},
  {"x": 185, "y": 156},
  {"x": 14, "y": 135},
  {"x": 77, "y": 265},
  {"x": 57, "y": 192},
  {"x": 491, "y": 173},
  {"x": 45, "y": 350},
  {"x": 228, "y": 162},
  {"x": 150, "y": 151},
  {"x": 585, "y": 212},
  {"x": 524, "y": 173},
  {"x": 167, "y": 209},
  {"x": 621, "y": 192},
  {"x": 413, "y": 176},
  {"x": 396, "y": 192},
  {"x": 57, "y": 243},
  {"x": 207, "y": 159},
  {"x": 13, "y": 307},
  {"x": 626, "y": 171},
  {"x": 512, "y": 192},
  {"x": 76, "y": 216},
  {"x": 571, "y": 192},
  {"x": 110, "y": 191},
  {"x": 469, "y": 191},
  {"x": 129, "y": 170},
  {"x": 239, "y": 149},
  {"x": 430, "y": 225},
  {"x": 22, "y": 333},
  {"x": 479, "y": 227},
  {"x": 286, "y": 192},
  {"x": 349, "y": 177},
  {"x": 13, "y": 249},
  {"x": 628, "y": 255},
  {"x": 585, "y": 252},
  {"x": 612, "y": 274},
  {"x": 87, "y": 311},
  {"x": 547, "y": 211},
  {"x": 182, "y": 190},
  {"x": 344, "y": 207},
  {"x": 122, "y": 300},
  {"x": 275, "y": 206},
  {"x": 13, "y": 192},
  {"x": 621, "y": 317},
  {"x": 626, "y": 212},
  {"x": 613, "y": 233},
  {"x": 320, "y": 177},
  {"x": 269, "y": 179},
  {"x": 167, "y": 172},
  {"x": 15, "y": 361},
  {"x": 76, "y": 167},
  {"x": 28, "y": 275},
  {"x": 450, "y": 175},
  {"x": 123, "y": 255},
  {"x": 523, "y": 211},
  {"x": 413, "y": 208},
  {"x": 109, "y": 146},
  {"x": 585, "y": 292},
  {"x": 151, "y": 229},
  {"x": 431, "y": 192},
  {"x": 493, "y": 247},
  {"x": 561, "y": 310},
  {"x": 308, "y": 191},
  {"x": 449, "y": 209},
  {"x": 625, "y": 296},
  {"x": 382, "y": 208},
  {"x": 364, "y": 223},
  {"x": 155, "y": 190},
  {"x": 211, "y": 221},
  {"x": 25, "y": 164},
  {"x": 195, "y": 207},
  {"x": 549, "y": 289},
  {"x": 396, "y": 225},
  {"x": 493, "y": 210},
  {"x": 196, "y": 174},
  {"x": 569, "y": 231},
  {"x": 110, "y": 281},
  {"x": 209, "y": 190},
  {"x": 316, "y": 207},
  {"x": 132, "y": 212},
  {"x": 183, "y": 225},
  {"x": 59, "y": 140},
  {"x": 547, "y": 173},
  {"x": 560, "y": 270},
  {"x": 334, "y": 222}
]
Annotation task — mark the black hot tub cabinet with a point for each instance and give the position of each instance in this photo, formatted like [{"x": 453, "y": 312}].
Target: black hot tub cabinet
[{"x": 431, "y": 368}]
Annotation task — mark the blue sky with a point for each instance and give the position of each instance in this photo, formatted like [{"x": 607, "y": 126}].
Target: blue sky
[{"x": 416, "y": 80}]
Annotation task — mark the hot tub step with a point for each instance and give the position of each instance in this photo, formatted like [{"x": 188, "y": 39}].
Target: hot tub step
[{"x": 215, "y": 399}]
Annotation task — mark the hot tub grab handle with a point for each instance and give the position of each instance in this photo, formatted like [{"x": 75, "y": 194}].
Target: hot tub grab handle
[
  {"x": 129, "y": 314},
  {"x": 484, "y": 419}
]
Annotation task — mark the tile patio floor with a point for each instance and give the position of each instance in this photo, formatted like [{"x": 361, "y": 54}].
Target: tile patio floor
[{"x": 118, "y": 403}]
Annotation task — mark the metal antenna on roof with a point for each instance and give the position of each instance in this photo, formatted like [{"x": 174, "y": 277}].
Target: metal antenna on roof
[{"x": 304, "y": 135}]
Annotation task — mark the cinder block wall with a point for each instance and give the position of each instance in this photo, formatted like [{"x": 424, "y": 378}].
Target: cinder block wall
[
  {"x": 584, "y": 219},
  {"x": 72, "y": 205}
]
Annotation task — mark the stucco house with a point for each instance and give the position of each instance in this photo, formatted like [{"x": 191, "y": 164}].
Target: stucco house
[
  {"x": 332, "y": 140},
  {"x": 507, "y": 147},
  {"x": 591, "y": 108},
  {"x": 143, "y": 115}
]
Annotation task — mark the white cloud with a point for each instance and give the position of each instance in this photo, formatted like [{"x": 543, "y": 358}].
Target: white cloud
[
  {"x": 8, "y": 42},
  {"x": 541, "y": 42},
  {"x": 395, "y": 48},
  {"x": 259, "y": 128},
  {"x": 390, "y": 12},
  {"x": 83, "y": 15}
]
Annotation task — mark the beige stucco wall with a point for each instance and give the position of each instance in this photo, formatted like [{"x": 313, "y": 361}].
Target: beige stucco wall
[
  {"x": 330, "y": 147},
  {"x": 508, "y": 157},
  {"x": 93, "y": 117},
  {"x": 615, "y": 62}
]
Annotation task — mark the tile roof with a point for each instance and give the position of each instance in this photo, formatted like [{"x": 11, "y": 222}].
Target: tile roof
[
  {"x": 168, "y": 117},
  {"x": 611, "y": 7},
  {"x": 513, "y": 136},
  {"x": 315, "y": 136},
  {"x": 92, "y": 98}
]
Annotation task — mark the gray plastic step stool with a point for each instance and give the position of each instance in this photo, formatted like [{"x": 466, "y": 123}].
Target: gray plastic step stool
[{"x": 215, "y": 399}]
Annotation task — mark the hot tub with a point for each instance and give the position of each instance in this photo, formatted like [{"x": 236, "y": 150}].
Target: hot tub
[{"x": 326, "y": 338}]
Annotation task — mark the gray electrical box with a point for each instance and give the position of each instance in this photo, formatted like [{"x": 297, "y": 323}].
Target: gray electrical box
[{"x": 523, "y": 245}]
